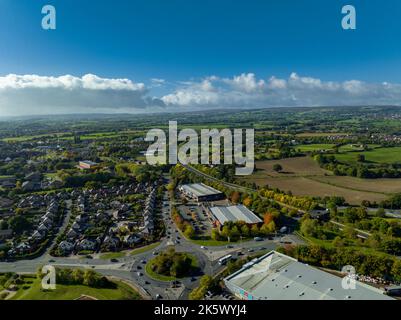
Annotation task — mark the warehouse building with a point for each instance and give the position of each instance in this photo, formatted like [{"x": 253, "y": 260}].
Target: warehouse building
[
  {"x": 222, "y": 214},
  {"x": 201, "y": 192},
  {"x": 85, "y": 165},
  {"x": 276, "y": 276}
]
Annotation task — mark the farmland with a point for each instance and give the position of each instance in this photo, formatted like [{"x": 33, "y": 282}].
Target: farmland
[
  {"x": 303, "y": 177},
  {"x": 300, "y": 166},
  {"x": 315, "y": 147},
  {"x": 378, "y": 155}
]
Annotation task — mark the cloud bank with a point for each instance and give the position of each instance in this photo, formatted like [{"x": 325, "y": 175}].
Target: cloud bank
[
  {"x": 246, "y": 90},
  {"x": 34, "y": 94}
]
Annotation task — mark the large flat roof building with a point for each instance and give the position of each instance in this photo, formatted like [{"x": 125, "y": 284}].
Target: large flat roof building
[
  {"x": 276, "y": 276},
  {"x": 234, "y": 213},
  {"x": 201, "y": 192},
  {"x": 86, "y": 164}
]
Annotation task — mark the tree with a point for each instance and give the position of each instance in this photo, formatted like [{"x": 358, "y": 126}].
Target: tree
[
  {"x": 245, "y": 232},
  {"x": 309, "y": 227},
  {"x": 89, "y": 278},
  {"x": 78, "y": 276},
  {"x": 267, "y": 218},
  {"x": 19, "y": 224},
  {"x": 189, "y": 231},
  {"x": 235, "y": 196},
  {"x": 380, "y": 213},
  {"x": 226, "y": 232},
  {"x": 3, "y": 225},
  {"x": 255, "y": 230},
  {"x": 235, "y": 234},
  {"x": 360, "y": 158},
  {"x": 215, "y": 234},
  {"x": 277, "y": 167},
  {"x": 349, "y": 232},
  {"x": 338, "y": 242},
  {"x": 268, "y": 228},
  {"x": 247, "y": 202}
]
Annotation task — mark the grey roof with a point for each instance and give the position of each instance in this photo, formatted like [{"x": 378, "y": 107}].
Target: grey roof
[
  {"x": 278, "y": 277},
  {"x": 234, "y": 213},
  {"x": 199, "y": 189}
]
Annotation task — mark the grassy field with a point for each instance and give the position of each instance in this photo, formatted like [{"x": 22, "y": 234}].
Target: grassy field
[
  {"x": 314, "y": 147},
  {"x": 121, "y": 254},
  {"x": 320, "y": 134},
  {"x": 304, "y": 186},
  {"x": 145, "y": 248},
  {"x": 303, "y": 177},
  {"x": 113, "y": 255},
  {"x": 388, "y": 186},
  {"x": 379, "y": 155},
  {"x": 300, "y": 166},
  {"x": 33, "y": 291},
  {"x": 356, "y": 147}
]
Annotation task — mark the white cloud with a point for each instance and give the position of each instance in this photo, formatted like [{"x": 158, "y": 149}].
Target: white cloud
[
  {"x": 246, "y": 90},
  {"x": 33, "y": 94}
]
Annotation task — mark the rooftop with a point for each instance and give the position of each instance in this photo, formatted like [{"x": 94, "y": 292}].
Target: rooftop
[
  {"x": 87, "y": 162},
  {"x": 278, "y": 277},
  {"x": 234, "y": 213},
  {"x": 199, "y": 189}
]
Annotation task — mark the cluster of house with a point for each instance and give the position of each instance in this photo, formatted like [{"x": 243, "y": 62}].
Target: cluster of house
[
  {"x": 114, "y": 218},
  {"x": 32, "y": 182},
  {"x": 46, "y": 224}
]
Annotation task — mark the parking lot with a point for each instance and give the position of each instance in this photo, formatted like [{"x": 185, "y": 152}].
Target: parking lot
[{"x": 198, "y": 218}]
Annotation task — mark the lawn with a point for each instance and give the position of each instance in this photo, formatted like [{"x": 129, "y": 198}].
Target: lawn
[
  {"x": 214, "y": 243},
  {"x": 145, "y": 248},
  {"x": 379, "y": 155},
  {"x": 314, "y": 147},
  {"x": 72, "y": 292},
  {"x": 156, "y": 276},
  {"x": 121, "y": 254},
  {"x": 113, "y": 255}
]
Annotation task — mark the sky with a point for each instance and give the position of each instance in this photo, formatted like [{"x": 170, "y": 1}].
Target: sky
[{"x": 155, "y": 55}]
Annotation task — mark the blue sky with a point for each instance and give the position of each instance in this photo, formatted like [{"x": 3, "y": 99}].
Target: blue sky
[{"x": 184, "y": 42}]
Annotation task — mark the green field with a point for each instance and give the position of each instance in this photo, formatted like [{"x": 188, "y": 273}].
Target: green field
[
  {"x": 33, "y": 291},
  {"x": 145, "y": 248},
  {"x": 379, "y": 155},
  {"x": 314, "y": 147},
  {"x": 113, "y": 255}
]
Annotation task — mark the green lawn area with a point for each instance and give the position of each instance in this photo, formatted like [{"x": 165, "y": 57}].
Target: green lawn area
[
  {"x": 145, "y": 248},
  {"x": 314, "y": 147},
  {"x": 113, "y": 255},
  {"x": 211, "y": 243},
  {"x": 71, "y": 292},
  {"x": 353, "y": 147},
  {"x": 121, "y": 254},
  {"x": 156, "y": 276},
  {"x": 379, "y": 155},
  {"x": 350, "y": 244}
]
